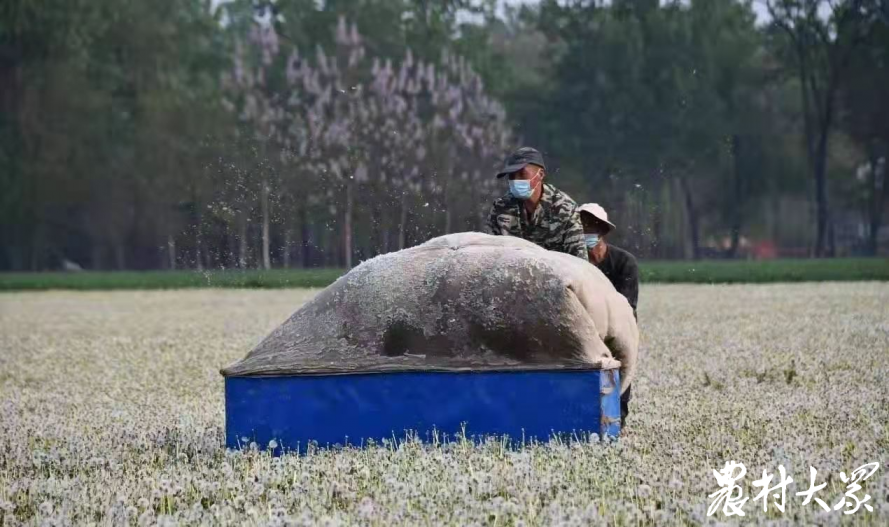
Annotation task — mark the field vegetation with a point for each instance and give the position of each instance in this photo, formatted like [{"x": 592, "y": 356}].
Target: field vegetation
[
  {"x": 700, "y": 272},
  {"x": 111, "y": 412}
]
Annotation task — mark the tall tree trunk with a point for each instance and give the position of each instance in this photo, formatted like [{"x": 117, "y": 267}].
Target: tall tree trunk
[
  {"x": 305, "y": 233},
  {"x": 402, "y": 223},
  {"x": 11, "y": 84},
  {"x": 120, "y": 255},
  {"x": 285, "y": 253},
  {"x": 822, "y": 212},
  {"x": 231, "y": 241},
  {"x": 96, "y": 260},
  {"x": 831, "y": 240},
  {"x": 171, "y": 251},
  {"x": 242, "y": 240},
  {"x": 814, "y": 141},
  {"x": 693, "y": 218},
  {"x": 738, "y": 198},
  {"x": 264, "y": 205},
  {"x": 198, "y": 239},
  {"x": 377, "y": 216},
  {"x": 446, "y": 202},
  {"x": 347, "y": 228},
  {"x": 13, "y": 227},
  {"x": 657, "y": 221},
  {"x": 774, "y": 205},
  {"x": 878, "y": 194},
  {"x": 13, "y": 258},
  {"x": 37, "y": 251},
  {"x": 329, "y": 259},
  {"x": 818, "y": 115}
]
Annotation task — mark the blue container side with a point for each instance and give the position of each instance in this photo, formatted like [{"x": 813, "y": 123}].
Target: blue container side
[{"x": 350, "y": 409}]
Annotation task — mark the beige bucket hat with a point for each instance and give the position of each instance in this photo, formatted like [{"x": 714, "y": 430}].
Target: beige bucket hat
[{"x": 598, "y": 212}]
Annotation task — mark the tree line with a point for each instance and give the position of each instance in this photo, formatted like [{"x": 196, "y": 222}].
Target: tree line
[{"x": 258, "y": 133}]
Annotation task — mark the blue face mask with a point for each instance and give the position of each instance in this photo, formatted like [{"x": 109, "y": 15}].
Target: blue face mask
[
  {"x": 591, "y": 240},
  {"x": 521, "y": 188}
]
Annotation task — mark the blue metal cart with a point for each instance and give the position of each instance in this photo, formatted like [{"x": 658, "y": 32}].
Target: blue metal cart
[{"x": 351, "y": 408}]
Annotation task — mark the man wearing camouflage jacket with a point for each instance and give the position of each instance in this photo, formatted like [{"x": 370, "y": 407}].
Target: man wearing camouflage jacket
[{"x": 534, "y": 210}]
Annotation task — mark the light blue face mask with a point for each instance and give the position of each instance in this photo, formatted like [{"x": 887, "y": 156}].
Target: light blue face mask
[
  {"x": 591, "y": 240},
  {"x": 521, "y": 188}
]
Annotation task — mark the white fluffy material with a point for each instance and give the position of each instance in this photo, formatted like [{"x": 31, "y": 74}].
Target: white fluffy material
[{"x": 467, "y": 301}]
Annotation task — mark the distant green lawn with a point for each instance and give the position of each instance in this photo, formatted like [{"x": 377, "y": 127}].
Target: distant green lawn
[
  {"x": 713, "y": 271},
  {"x": 107, "y": 280},
  {"x": 766, "y": 271}
]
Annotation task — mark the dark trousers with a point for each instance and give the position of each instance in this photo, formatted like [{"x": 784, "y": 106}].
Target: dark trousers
[{"x": 625, "y": 405}]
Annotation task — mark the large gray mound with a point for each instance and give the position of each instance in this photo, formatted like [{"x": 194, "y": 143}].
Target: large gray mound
[{"x": 465, "y": 301}]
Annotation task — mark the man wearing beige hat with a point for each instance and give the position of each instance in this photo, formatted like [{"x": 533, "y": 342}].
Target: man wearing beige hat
[
  {"x": 615, "y": 263},
  {"x": 618, "y": 265}
]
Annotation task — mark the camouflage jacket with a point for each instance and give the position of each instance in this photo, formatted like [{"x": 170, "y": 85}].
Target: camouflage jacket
[{"x": 554, "y": 225}]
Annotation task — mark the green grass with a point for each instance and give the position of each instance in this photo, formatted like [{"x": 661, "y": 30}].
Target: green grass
[
  {"x": 766, "y": 271},
  {"x": 110, "y": 280},
  {"x": 714, "y": 271}
]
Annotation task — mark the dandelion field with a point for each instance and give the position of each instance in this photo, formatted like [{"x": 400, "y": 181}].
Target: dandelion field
[{"x": 111, "y": 413}]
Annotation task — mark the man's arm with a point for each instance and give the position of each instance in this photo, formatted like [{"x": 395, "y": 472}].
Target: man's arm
[{"x": 572, "y": 241}]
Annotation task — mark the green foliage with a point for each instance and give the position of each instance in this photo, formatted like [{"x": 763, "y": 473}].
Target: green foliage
[
  {"x": 687, "y": 119},
  {"x": 646, "y": 96}
]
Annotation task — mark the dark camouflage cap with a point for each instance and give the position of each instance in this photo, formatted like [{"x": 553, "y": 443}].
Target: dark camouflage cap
[{"x": 519, "y": 159}]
